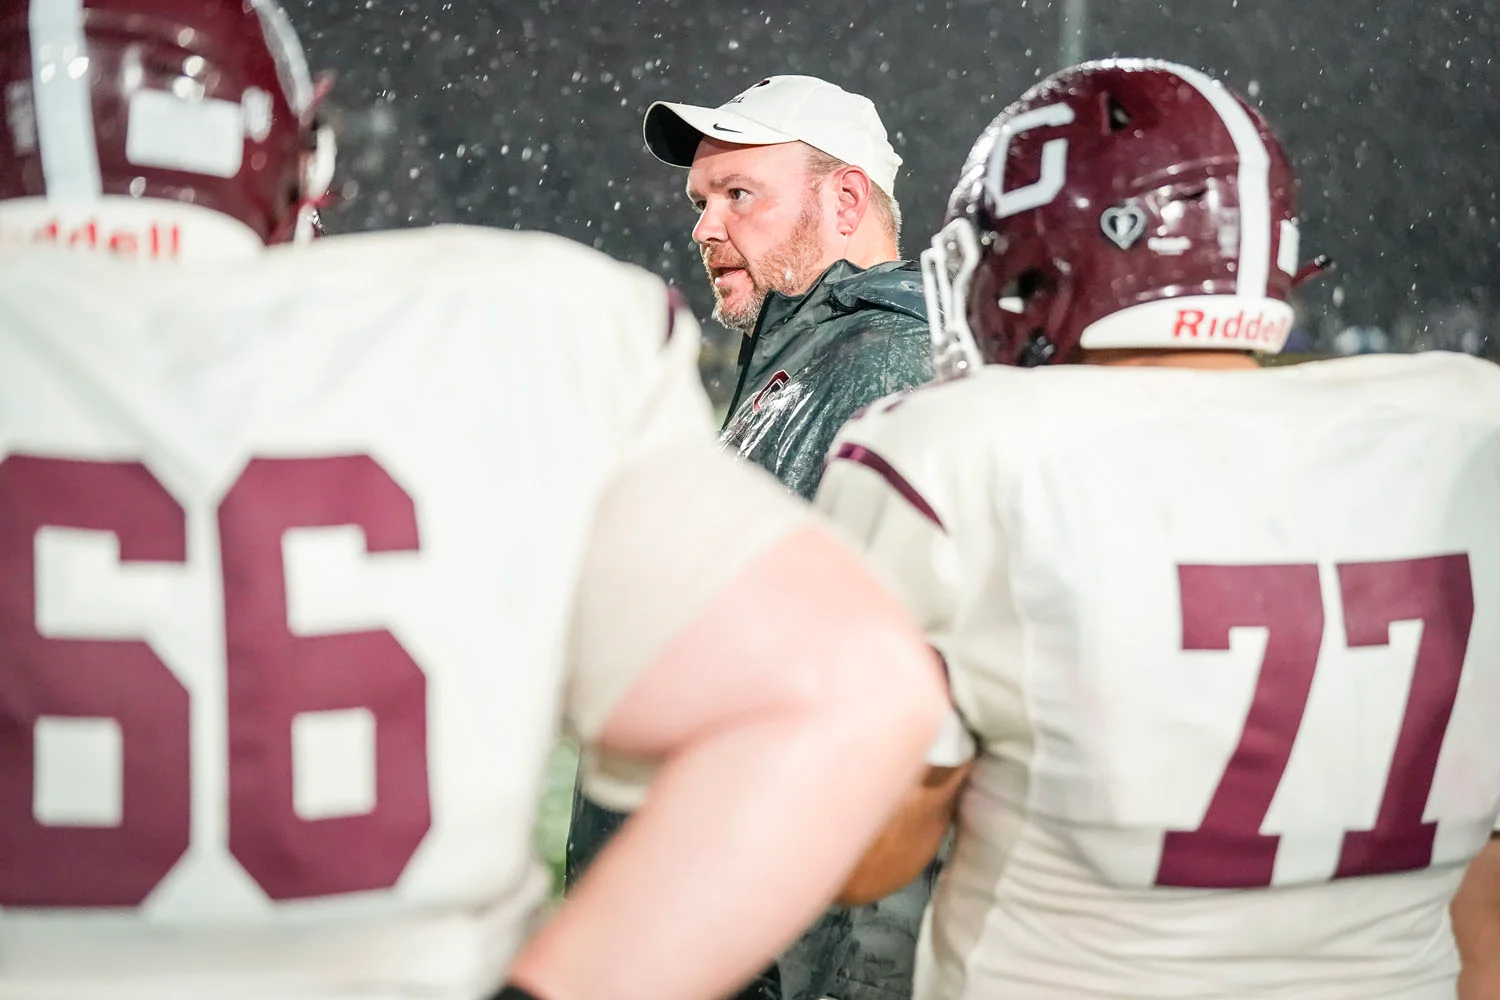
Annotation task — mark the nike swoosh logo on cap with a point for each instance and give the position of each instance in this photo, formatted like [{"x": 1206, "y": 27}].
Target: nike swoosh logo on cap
[{"x": 725, "y": 128}]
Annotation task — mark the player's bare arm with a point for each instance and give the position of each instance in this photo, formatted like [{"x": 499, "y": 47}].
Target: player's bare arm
[
  {"x": 910, "y": 839},
  {"x": 1476, "y": 925},
  {"x": 794, "y": 667},
  {"x": 871, "y": 500}
]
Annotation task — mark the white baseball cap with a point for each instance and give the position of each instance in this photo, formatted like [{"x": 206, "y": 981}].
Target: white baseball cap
[{"x": 780, "y": 109}]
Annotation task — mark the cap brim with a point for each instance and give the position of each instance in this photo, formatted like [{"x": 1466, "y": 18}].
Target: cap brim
[{"x": 673, "y": 131}]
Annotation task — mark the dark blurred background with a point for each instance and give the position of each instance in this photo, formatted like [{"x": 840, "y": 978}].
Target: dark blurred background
[{"x": 526, "y": 114}]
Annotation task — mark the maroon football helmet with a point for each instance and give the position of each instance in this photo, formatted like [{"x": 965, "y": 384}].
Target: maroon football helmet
[
  {"x": 207, "y": 102},
  {"x": 1117, "y": 204}
]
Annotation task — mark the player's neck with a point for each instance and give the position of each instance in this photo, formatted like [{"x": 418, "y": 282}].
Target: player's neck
[{"x": 1207, "y": 360}]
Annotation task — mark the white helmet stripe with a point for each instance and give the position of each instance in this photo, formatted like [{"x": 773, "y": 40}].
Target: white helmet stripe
[
  {"x": 64, "y": 109},
  {"x": 1254, "y": 271},
  {"x": 286, "y": 49}
]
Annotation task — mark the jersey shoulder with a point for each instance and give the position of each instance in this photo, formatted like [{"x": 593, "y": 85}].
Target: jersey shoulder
[
  {"x": 480, "y": 258},
  {"x": 1436, "y": 381},
  {"x": 1029, "y": 408},
  {"x": 933, "y": 419},
  {"x": 1003, "y": 417},
  {"x": 918, "y": 444},
  {"x": 514, "y": 283},
  {"x": 900, "y": 423}
]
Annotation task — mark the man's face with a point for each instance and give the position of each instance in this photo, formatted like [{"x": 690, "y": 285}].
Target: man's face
[{"x": 763, "y": 225}]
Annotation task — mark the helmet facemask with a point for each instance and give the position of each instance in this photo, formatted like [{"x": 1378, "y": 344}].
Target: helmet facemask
[{"x": 948, "y": 267}]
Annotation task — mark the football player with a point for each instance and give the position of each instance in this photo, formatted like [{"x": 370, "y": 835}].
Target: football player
[
  {"x": 308, "y": 553},
  {"x": 1223, "y": 642}
]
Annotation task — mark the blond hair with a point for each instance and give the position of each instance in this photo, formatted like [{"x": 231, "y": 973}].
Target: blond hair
[{"x": 887, "y": 211}]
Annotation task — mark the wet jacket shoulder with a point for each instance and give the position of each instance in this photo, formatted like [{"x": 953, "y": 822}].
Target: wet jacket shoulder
[{"x": 815, "y": 359}]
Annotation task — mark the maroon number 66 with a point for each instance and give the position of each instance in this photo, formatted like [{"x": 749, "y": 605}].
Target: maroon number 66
[{"x": 272, "y": 676}]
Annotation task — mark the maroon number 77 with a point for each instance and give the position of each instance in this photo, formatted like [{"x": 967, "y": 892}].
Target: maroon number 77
[{"x": 1228, "y": 851}]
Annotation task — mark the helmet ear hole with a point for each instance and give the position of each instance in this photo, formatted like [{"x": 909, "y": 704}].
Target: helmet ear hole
[
  {"x": 1116, "y": 118},
  {"x": 1029, "y": 284},
  {"x": 1017, "y": 296},
  {"x": 1027, "y": 299}
]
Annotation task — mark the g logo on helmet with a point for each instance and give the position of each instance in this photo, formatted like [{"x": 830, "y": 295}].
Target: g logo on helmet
[{"x": 1054, "y": 162}]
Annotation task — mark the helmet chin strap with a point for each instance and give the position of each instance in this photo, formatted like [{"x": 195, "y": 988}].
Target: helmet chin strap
[
  {"x": 318, "y": 166},
  {"x": 1312, "y": 269}
]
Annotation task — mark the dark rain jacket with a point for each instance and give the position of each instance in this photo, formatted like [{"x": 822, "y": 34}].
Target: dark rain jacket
[{"x": 812, "y": 361}]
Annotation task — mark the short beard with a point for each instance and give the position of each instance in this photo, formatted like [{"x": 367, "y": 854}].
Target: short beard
[{"x": 788, "y": 268}]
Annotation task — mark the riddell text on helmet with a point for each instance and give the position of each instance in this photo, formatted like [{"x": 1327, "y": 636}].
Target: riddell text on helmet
[
  {"x": 1245, "y": 326},
  {"x": 148, "y": 241}
]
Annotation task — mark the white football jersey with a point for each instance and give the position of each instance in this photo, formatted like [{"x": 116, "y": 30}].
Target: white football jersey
[
  {"x": 288, "y": 548},
  {"x": 1229, "y": 646}
]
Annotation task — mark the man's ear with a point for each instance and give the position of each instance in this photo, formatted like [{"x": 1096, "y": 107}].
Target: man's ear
[{"x": 851, "y": 187}]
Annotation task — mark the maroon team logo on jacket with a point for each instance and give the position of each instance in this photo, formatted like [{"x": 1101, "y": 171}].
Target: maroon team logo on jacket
[{"x": 774, "y": 386}]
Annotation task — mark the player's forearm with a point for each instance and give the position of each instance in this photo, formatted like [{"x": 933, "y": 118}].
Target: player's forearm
[
  {"x": 910, "y": 839},
  {"x": 1478, "y": 931},
  {"x": 1479, "y": 984},
  {"x": 1476, "y": 925},
  {"x": 753, "y": 871}
]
